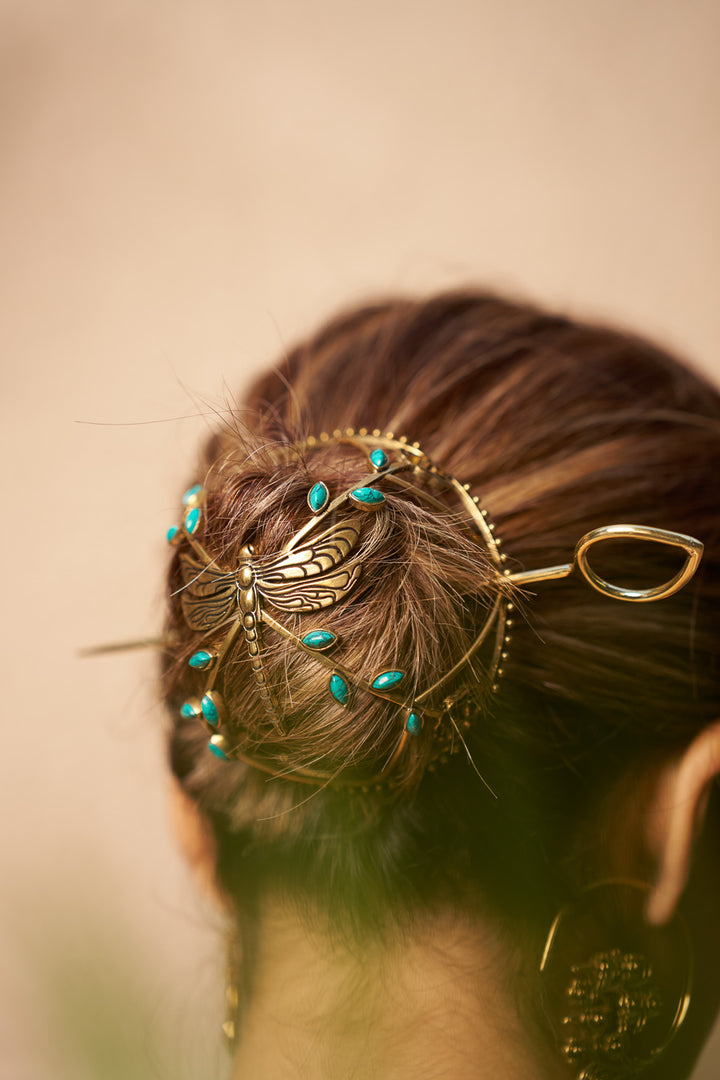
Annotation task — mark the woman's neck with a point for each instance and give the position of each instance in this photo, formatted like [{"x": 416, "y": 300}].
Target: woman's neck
[{"x": 436, "y": 1004}]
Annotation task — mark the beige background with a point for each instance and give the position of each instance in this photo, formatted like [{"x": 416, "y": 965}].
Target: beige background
[{"x": 184, "y": 187}]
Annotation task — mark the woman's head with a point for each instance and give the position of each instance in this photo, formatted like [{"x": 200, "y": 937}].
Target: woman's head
[{"x": 559, "y": 429}]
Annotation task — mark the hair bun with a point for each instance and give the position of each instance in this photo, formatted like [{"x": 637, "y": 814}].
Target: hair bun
[{"x": 330, "y": 598}]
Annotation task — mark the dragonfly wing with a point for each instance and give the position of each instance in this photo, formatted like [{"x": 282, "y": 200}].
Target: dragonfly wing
[
  {"x": 317, "y": 556},
  {"x": 315, "y": 575},
  {"x": 209, "y": 596},
  {"x": 311, "y": 594}
]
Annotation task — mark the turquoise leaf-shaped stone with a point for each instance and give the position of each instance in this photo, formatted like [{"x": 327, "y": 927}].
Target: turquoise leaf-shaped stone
[
  {"x": 191, "y": 494},
  {"x": 172, "y": 533},
  {"x": 379, "y": 458},
  {"x": 201, "y": 659},
  {"x": 209, "y": 711},
  {"x": 414, "y": 723},
  {"x": 215, "y": 746},
  {"x": 387, "y": 680},
  {"x": 192, "y": 520},
  {"x": 339, "y": 689},
  {"x": 367, "y": 496},
  {"x": 318, "y": 497},
  {"x": 189, "y": 711},
  {"x": 319, "y": 639}
]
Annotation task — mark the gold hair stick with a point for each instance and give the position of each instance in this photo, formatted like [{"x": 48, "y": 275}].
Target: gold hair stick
[
  {"x": 123, "y": 646},
  {"x": 693, "y": 550}
]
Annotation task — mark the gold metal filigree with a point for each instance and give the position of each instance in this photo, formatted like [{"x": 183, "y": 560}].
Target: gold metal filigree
[{"x": 610, "y": 1000}]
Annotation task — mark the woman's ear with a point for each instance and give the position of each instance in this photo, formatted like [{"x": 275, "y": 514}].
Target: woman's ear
[
  {"x": 676, "y": 817},
  {"x": 196, "y": 840}
]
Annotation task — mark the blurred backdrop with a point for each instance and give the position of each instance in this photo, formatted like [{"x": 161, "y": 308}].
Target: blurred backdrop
[{"x": 186, "y": 186}]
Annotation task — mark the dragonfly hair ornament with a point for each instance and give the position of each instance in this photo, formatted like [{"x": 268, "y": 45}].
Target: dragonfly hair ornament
[{"x": 318, "y": 568}]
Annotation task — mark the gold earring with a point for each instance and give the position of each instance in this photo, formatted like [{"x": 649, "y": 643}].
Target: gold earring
[
  {"x": 232, "y": 996},
  {"x": 619, "y": 988}
]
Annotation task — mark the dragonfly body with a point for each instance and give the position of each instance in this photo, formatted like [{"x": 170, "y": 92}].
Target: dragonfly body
[{"x": 248, "y": 599}]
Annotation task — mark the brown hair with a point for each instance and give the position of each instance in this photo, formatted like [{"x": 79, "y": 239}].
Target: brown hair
[{"x": 561, "y": 428}]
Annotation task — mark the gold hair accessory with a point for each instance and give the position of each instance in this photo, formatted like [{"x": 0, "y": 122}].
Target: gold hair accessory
[
  {"x": 233, "y": 969},
  {"x": 629, "y": 984},
  {"x": 319, "y": 567}
]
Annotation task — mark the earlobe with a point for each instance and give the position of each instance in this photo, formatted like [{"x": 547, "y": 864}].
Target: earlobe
[
  {"x": 677, "y": 816},
  {"x": 195, "y": 838}
]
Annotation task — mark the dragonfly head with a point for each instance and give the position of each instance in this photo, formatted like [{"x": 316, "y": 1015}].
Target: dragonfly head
[{"x": 245, "y": 574}]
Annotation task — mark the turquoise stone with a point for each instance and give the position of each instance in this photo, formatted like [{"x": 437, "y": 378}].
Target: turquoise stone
[
  {"x": 191, "y": 493},
  {"x": 339, "y": 689},
  {"x": 189, "y": 711},
  {"x": 413, "y": 724},
  {"x": 192, "y": 520},
  {"x": 367, "y": 496},
  {"x": 209, "y": 711},
  {"x": 379, "y": 458},
  {"x": 201, "y": 659},
  {"x": 172, "y": 533},
  {"x": 387, "y": 680},
  {"x": 318, "y": 497},
  {"x": 215, "y": 747},
  {"x": 319, "y": 639}
]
